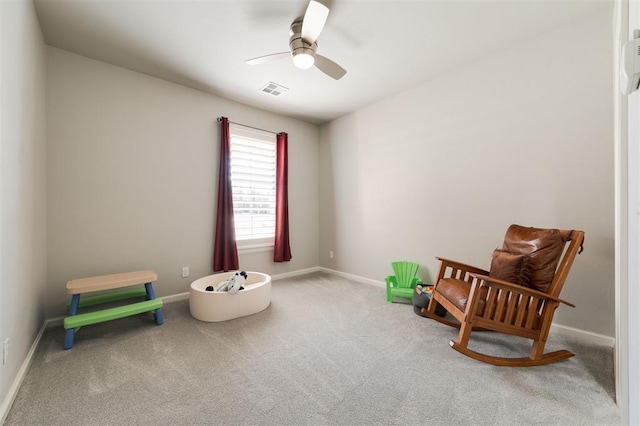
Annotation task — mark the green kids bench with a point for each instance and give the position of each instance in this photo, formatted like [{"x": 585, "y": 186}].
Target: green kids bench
[{"x": 118, "y": 287}]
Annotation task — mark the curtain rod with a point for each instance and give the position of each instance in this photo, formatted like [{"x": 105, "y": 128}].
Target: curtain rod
[{"x": 251, "y": 127}]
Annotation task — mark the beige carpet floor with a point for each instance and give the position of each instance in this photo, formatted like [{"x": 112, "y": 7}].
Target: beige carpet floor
[{"x": 327, "y": 351}]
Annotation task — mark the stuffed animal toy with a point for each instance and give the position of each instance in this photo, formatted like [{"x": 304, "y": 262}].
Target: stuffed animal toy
[{"x": 234, "y": 283}]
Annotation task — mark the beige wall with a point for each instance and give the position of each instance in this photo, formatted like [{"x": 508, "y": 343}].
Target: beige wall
[
  {"x": 524, "y": 136},
  {"x": 22, "y": 186},
  {"x": 132, "y": 171}
]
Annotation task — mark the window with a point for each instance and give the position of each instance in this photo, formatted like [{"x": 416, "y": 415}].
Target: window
[{"x": 253, "y": 182}]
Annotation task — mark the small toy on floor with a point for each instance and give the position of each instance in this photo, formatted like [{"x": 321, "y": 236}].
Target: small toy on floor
[
  {"x": 233, "y": 284},
  {"x": 421, "y": 299}
]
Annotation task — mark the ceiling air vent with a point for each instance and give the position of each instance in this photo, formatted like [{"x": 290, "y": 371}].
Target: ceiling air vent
[{"x": 273, "y": 89}]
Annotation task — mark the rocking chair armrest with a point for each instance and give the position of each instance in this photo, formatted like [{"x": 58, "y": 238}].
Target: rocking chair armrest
[
  {"x": 491, "y": 282},
  {"x": 463, "y": 266}
]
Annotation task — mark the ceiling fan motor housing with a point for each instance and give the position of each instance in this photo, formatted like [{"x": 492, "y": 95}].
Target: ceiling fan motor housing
[{"x": 297, "y": 44}]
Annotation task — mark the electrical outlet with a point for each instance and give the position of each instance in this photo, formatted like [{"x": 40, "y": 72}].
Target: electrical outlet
[
  {"x": 5, "y": 351},
  {"x": 185, "y": 271},
  {"x": 330, "y": 254}
]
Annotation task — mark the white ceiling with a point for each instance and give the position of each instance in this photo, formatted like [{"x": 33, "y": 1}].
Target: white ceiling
[{"x": 386, "y": 46}]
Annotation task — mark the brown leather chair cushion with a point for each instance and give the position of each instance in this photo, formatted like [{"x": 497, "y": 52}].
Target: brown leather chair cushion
[
  {"x": 514, "y": 268},
  {"x": 457, "y": 292},
  {"x": 544, "y": 247}
]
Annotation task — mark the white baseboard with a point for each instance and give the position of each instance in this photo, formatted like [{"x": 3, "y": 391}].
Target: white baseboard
[
  {"x": 175, "y": 297},
  {"x": 295, "y": 273},
  {"x": 17, "y": 382},
  {"x": 183, "y": 296},
  {"x": 583, "y": 335},
  {"x": 354, "y": 277}
]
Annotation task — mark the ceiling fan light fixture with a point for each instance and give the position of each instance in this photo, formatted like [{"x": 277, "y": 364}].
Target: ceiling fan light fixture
[
  {"x": 304, "y": 32},
  {"x": 303, "y": 60}
]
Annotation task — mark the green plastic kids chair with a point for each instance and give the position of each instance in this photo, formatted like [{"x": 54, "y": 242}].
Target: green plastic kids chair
[{"x": 404, "y": 280}]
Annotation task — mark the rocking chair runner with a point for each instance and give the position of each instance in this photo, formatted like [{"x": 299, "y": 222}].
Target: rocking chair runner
[{"x": 482, "y": 300}]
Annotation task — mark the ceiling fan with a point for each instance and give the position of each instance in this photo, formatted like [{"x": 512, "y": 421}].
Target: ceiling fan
[{"x": 304, "y": 33}]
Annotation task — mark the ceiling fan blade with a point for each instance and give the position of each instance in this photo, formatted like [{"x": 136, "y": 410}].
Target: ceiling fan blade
[
  {"x": 266, "y": 58},
  {"x": 329, "y": 67},
  {"x": 313, "y": 22}
]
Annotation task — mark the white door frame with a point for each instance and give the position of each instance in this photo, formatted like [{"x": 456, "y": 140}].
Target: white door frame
[{"x": 627, "y": 217}]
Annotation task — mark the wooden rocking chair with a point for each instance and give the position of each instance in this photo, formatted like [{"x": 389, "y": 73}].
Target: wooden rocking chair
[{"x": 517, "y": 297}]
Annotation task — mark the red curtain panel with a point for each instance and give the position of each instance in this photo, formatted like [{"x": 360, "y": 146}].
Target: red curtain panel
[
  {"x": 281, "y": 249},
  {"x": 225, "y": 250}
]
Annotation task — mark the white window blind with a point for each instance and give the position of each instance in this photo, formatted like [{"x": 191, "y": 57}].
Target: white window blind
[{"x": 253, "y": 181}]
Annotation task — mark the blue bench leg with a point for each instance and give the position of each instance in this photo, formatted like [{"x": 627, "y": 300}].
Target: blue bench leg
[
  {"x": 157, "y": 315},
  {"x": 70, "y": 333},
  {"x": 68, "y": 338}
]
